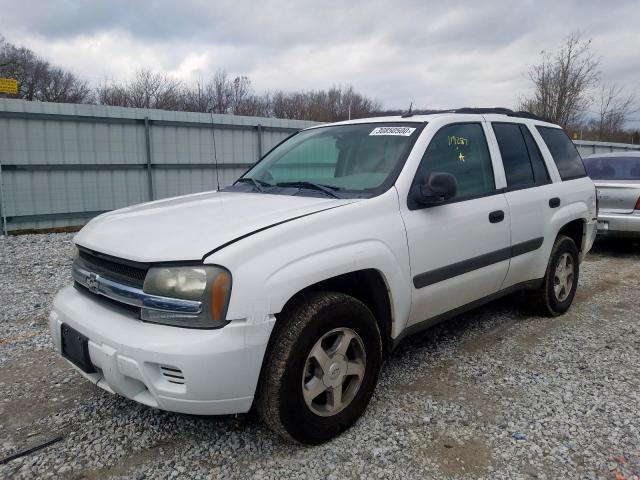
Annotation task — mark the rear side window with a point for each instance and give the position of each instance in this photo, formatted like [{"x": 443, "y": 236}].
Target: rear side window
[
  {"x": 564, "y": 153},
  {"x": 515, "y": 156},
  {"x": 461, "y": 150}
]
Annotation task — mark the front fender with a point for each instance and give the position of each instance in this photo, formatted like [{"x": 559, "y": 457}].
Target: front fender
[
  {"x": 315, "y": 267},
  {"x": 269, "y": 268}
]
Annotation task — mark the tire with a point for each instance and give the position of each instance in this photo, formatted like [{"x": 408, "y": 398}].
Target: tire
[
  {"x": 549, "y": 300},
  {"x": 289, "y": 363}
]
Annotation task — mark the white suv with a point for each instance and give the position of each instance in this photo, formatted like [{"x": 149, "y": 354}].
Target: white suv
[{"x": 286, "y": 290}]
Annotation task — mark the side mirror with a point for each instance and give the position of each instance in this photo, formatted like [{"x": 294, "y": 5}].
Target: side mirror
[{"x": 438, "y": 188}]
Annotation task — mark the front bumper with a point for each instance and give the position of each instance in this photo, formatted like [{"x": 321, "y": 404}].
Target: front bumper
[
  {"x": 619, "y": 224},
  {"x": 205, "y": 372}
]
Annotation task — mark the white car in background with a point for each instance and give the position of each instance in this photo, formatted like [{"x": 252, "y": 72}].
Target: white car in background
[
  {"x": 286, "y": 290},
  {"x": 617, "y": 180}
]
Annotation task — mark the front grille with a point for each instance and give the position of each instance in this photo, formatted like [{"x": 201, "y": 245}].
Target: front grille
[
  {"x": 128, "y": 310},
  {"x": 114, "y": 269}
]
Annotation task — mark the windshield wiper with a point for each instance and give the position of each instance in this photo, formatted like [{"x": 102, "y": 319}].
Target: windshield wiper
[
  {"x": 328, "y": 189},
  {"x": 256, "y": 183}
]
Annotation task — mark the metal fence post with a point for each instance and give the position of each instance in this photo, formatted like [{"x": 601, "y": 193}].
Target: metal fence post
[
  {"x": 3, "y": 213},
  {"x": 147, "y": 139},
  {"x": 259, "y": 141}
]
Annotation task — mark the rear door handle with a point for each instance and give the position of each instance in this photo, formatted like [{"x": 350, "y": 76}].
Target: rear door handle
[
  {"x": 497, "y": 216},
  {"x": 554, "y": 202}
]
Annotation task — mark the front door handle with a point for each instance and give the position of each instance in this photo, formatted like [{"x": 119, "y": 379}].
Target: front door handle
[
  {"x": 554, "y": 202},
  {"x": 497, "y": 216}
]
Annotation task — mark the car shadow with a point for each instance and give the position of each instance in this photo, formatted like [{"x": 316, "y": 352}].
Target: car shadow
[
  {"x": 496, "y": 315},
  {"x": 617, "y": 247}
]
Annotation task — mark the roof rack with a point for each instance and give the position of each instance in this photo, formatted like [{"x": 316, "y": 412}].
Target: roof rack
[{"x": 498, "y": 110}]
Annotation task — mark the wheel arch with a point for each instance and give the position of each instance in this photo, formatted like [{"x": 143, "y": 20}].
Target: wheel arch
[
  {"x": 368, "y": 286},
  {"x": 576, "y": 231}
]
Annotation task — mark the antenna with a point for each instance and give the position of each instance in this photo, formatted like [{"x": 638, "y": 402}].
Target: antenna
[
  {"x": 215, "y": 156},
  {"x": 409, "y": 112}
]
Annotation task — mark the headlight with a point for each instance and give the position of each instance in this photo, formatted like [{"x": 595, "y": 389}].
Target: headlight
[
  {"x": 207, "y": 285},
  {"x": 177, "y": 282}
]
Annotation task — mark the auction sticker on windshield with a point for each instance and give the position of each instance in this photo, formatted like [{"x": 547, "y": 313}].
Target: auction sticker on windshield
[{"x": 398, "y": 131}]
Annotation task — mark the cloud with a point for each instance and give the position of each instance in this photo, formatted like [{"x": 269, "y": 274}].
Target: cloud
[{"x": 435, "y": 54}]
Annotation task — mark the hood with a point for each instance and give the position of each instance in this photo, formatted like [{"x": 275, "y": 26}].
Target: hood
[{"x": 189, "y": 227}]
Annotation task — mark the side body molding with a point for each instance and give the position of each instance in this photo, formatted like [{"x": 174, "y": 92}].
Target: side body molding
[{"x": 440, "y": 274}]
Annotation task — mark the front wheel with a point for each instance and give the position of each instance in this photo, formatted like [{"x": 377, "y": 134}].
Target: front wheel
[
  {"x": 321, "y": 369},
  {"x": 555, "y": 295}
]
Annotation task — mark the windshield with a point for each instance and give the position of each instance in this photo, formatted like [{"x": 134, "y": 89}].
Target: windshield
[
  {"x": 339, "y": 161},
  {"x": 613, "y": 168}
]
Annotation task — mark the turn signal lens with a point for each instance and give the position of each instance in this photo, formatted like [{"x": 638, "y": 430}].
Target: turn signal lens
[{"x": 220, "y": 295}]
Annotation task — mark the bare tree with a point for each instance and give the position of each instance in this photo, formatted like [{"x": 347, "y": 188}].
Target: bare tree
[
  {"x": 223, "y": 94},
  {"x": 146, "y": 90},
  {"x": 563, "y": 81},
  {"x": 154, "y": 90},
  {"x": 38, "y": 79},
  {"x": 254, "y": 105},
  {"x": 221, "y": 100},
  {"x": 337, "y": 103},
  {"x": 240, "y": 89},
  {"x": 198, "y": 98},
  {"x": 614, "y": 108},
  {"x": 229, "y": 94},
  {"x": 61, "y": 86},
  {"x": 112, "y": 94}
]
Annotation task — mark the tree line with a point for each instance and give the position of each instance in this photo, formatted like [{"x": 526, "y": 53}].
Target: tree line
[
  {"x": 39, "y": 80},
  {"x": 567, "y": 89}
]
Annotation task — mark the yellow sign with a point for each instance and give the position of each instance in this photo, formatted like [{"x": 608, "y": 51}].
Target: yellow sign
[{"x": 8, "y": 85}]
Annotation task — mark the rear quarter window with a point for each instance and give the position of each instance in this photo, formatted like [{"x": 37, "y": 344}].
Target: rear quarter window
[{"x": 564, "y": 152}]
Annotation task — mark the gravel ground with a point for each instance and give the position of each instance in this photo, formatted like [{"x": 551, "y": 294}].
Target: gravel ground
[{"x": 495, "y": 393}]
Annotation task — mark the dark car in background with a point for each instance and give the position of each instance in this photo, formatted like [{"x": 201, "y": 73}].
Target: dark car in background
[{"x": 617, "y": 179}]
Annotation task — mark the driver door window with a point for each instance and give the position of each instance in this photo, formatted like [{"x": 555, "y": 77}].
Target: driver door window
[{"x": 461, "y": 150}]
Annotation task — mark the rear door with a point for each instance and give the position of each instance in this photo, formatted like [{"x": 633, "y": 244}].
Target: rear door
[{"x": 529, "y": 194}]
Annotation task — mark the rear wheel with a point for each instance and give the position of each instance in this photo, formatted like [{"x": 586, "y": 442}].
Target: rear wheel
[
  {"x": 321, "y": 369},
  {"x": 556, "y": 294}
]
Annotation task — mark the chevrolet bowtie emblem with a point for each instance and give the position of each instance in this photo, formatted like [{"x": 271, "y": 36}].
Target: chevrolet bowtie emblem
[{"x": 92, "y": 282}]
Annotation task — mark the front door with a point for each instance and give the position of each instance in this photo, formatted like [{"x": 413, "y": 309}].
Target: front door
[{"x": 459, "y": 250}]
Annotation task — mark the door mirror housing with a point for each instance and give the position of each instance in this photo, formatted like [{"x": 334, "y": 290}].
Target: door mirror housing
[{"x": 438, "y": 188}]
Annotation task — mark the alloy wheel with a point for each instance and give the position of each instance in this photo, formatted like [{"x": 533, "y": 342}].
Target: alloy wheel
[
  {"x": 563, "y": 277},
  {"x": 333, "y": 372}
]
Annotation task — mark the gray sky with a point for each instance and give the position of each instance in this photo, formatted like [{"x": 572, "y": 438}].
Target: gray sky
[{"x": 436, "y": 54}]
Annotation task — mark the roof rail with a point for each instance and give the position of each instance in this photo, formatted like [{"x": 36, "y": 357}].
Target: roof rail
[{"x": 498, "y": 110}]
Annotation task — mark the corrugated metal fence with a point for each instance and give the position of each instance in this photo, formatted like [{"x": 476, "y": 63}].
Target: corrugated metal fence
[
  {"x": 62, "y": 164},
  {"x": 587, "y": 147}
]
